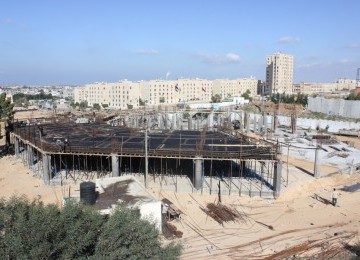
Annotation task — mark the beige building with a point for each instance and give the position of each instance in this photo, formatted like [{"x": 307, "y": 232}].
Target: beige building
[
  {"x": 346, "y": 84},
  {"x": 156, "y": 92},
  {"x": 279, "y": 73},
  {"x": 121, "y": 95},
  {"x": 125, "y": 94},
  {"x": 80, "y": 94},
  {"x": 234, "y": 87},
  {"x": 316, "y": 88}
]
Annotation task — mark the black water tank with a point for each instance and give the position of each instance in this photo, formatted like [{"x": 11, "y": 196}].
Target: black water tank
[{"x": 88, "y": 193}]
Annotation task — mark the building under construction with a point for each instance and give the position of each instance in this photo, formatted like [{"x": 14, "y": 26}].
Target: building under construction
[{"x": 207, "y": 157}]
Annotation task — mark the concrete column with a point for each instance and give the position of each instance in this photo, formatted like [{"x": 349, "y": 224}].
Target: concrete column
[
  {"x": 241, "y": 122},
  {"x": 277, "y": 178},
  {"x": 210, "y": 120},
  {"x": 198, "y": 121},
  {"x": 166, "y": 123},
  {"x": 30, "y": 152},
  {"x": 247, "y": 123},
  {"x": 255, "y": 124},
  {"x": 190, "y": 123},
  {"x": 47, "y": 174},
  {"x": 199, "y": 172},
  {"x": 260, "y": 123},
  {"x": 317, "y": 173},
  {"x": 16, "y": 144},
  {"x": 174, "y": 121},
  {"x": 115, "y": 165}
]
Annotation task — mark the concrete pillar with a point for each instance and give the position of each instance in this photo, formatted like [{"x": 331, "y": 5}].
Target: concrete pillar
[
  {"x": 255, "y": 124},
  {"x": 174, "y": 121},
  {"x": 277, "y": 178},
  {"x": 30, "y": 152},
  {"x": 247, "y": 123},
  {"x": 199, "y": 172},
  {"x": 275, "y": 122},
  {"x": 241, "y": 122},
  {"x": 16, "y": 144},
  {"x": 210, "y": 120},
  {"x": 115, "y": 165},
  {"x": 198, "y": 121},
  {"x": 166, "y": 123},
  {"x": 260, "y": 124},
  {"x": 317, "y": 164},
  {"x": 47, "y": 174},
  {"x": 190, "y": 123}
]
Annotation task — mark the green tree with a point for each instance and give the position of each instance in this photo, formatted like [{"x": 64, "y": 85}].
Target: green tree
[
  {"x": 216, "y": 98},
  {"x": 5, "y": 107},
  {"x": 32, "y": 230},
  {"x": 126, "y": 236},
  {"x": 247, "y": 94},
  {"x": 96, "y": 106},
  {"x": 83, "y": 105}
]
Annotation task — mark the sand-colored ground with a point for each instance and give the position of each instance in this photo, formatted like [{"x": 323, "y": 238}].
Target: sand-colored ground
[
  {"x": 301, "y": 220},
  {"x": 301, "y": 215}
]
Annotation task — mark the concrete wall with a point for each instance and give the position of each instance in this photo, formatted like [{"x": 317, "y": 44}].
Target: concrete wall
[{"x": 332, "y": 106}]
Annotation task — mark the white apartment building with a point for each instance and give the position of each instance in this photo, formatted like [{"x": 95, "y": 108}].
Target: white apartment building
[
  {"x": 279, "y": 72},
  {"x": 234, "y": 87},
  {"x": 119, "y": 95},
  {"x": 346, "y": 84},
  {"x": 156, "y": 92}
]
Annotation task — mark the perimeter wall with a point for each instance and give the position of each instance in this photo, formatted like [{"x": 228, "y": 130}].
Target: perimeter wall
[{"x": 333, "y": 106}]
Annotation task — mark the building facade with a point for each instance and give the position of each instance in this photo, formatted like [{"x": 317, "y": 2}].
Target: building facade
[
  {"x": 155, "y": 92},
  {"x": 234, "y": 87},
  {"x": 279, "y": 73}
]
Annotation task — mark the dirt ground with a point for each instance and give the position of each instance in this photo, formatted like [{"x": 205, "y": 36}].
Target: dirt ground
[{"x": 303, "y": 220}]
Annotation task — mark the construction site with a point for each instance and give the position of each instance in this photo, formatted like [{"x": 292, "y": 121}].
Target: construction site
[
  {"x": 163, "y": 149},
  {"x": 235, "y": 183}
]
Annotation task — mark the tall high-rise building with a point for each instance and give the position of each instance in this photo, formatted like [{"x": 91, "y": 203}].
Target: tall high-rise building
[{"x": 279, "y": 73}]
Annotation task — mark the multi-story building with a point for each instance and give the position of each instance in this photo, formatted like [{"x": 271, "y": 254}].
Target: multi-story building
[
  {"x": 346, "y": 84},
  {"x": 279, "y": 73},
  {"x": 316, "y": 88},
  {"x": 122, "y": 94},
  {"x": 80, "y": 94},
  {"x": 155, "y": 92},
  {"x": 234, "y": 87}
]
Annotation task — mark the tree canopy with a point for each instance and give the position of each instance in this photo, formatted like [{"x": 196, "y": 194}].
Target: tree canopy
[
  {"x": 5, "y": 107},
  {"x": 32, "y": 230},
  {"x": 298, "y": 98}
]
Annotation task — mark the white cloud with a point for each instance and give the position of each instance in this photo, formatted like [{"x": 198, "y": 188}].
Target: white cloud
[
  {"x": 147, "y": 52},
  {"x": 288, "y": 40},
  {"x": 232, "y": 57},
  {"x": 217, "y": 59}
]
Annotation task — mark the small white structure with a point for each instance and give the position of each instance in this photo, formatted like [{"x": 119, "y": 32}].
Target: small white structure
[{"x": 127, "y": 189}]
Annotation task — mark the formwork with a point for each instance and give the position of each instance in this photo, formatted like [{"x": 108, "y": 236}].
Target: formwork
[{"x": 62, "y": 152}]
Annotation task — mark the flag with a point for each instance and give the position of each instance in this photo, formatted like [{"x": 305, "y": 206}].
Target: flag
[
  {"x": 176, "y": 87},
  {"x": 203, "y": 89}
]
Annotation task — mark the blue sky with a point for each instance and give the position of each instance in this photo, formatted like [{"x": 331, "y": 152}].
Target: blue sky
[{"x": 77, "y": 42}]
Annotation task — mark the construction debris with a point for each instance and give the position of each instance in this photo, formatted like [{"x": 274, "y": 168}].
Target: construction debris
[{"x": 221, "y": 213}]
